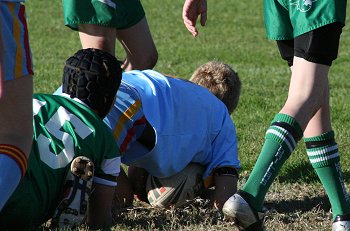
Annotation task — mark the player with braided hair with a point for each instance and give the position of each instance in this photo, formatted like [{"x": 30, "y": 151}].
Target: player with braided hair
[
  {"x": 85, "y": 79},
  {"x": 74, "y": 160},
  {"x": 152, "y": 107}
]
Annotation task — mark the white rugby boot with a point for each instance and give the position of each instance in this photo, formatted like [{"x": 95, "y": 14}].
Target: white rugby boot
[
  {"x": 245, "y": 217},
  {"x": 341, "y": 223},
  {"x": 71, "y": 211}
]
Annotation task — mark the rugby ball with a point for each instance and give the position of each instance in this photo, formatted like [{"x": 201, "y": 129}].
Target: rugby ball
[{"x": 176, "y": 190}]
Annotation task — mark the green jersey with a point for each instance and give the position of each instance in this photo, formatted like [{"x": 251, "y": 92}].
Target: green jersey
[{"x": 63, "y": 130}]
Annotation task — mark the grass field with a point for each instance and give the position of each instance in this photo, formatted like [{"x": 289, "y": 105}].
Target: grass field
[{"x": 234, "y": 34}]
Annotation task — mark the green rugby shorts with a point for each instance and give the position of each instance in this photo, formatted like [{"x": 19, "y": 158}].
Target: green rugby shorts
[
  {"x": 120, "y": 14},
  {"x": 287, "y": 19}
]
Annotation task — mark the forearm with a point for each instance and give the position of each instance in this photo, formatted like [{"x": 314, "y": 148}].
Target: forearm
[
  {"x": 100, "y": 207},
  {"x": 123, "y": 196},
  {"x": 101, "y": 223},
  {"x": 225, "y": 187}
]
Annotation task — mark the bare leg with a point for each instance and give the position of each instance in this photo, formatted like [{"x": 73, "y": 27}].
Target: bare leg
[
  {"x": 141, "y": 52},
  {"x": 16, "y": 110},
  {"x": 16, "y": 133},
  {"x": 99, "y": 37},
  {"x": 321, "y": 121},
  {"x": 1, "y": 63},
  {"x": 306, "y": 91},
  {"x": 16, "y": 120}
]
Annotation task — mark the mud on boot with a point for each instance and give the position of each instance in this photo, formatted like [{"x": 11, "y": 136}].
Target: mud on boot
[{"x": 72, "y": 209}]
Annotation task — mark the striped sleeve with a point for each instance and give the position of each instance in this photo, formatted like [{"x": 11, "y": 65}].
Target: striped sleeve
[{"x": 126, "y": 120}]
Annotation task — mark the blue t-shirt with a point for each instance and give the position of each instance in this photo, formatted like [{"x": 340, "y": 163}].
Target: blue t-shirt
[{"x": 190, "y": 124}]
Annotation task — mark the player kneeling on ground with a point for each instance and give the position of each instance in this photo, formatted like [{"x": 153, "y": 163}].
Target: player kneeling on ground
[
  {"x": 176, "y": 136},
  {"x": 74, "y": 159}
]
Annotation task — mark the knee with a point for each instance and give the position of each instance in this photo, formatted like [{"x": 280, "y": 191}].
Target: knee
[
  {"x": 143, "y": 62},
  {"x": 151, "y": 60}
]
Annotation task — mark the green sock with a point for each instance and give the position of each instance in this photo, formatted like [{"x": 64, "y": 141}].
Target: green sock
[
  {"x": 324, "y": 156},
  {"x": 280, "y": 140}
]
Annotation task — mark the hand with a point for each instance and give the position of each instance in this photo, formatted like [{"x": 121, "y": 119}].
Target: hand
[{"x": 190, "y": 12}]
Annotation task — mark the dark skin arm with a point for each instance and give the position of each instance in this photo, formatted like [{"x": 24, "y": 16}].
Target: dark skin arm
[
  {"x": 99, "y": 215},
  {"x": 124, "y": 195},
  {"x": 225, "y": 187}
]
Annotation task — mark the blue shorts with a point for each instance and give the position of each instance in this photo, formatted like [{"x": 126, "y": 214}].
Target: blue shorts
[{"x": 14, "y": 32}]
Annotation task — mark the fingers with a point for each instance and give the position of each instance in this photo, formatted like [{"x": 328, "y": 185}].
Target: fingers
[
  {"x": 192, "y": 9},
  {"x": 203, "y": 18},
  {"x": 189, "y": 19},
  {"x": 202, "y": 10},
  {"x": 191, "y": 27}
]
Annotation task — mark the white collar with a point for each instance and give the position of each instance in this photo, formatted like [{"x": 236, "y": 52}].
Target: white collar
[{"x": 75, "y": 99}]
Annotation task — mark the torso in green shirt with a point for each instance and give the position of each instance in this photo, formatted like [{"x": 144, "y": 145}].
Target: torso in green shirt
[{"x": 63, "y": 130}]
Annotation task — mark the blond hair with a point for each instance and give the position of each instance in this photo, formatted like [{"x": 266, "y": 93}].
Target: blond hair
[{"x": 221, "y": 80}]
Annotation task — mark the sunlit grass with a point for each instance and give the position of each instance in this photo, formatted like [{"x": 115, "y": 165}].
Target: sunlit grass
[{"x": 234, "y": 34}]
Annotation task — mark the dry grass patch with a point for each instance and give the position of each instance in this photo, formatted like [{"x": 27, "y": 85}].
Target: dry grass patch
[{"x": 291, "y": 206}]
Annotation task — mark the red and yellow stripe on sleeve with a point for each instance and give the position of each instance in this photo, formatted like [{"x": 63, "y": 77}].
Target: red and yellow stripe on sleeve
[
  {"x": 16, "y": 154},
  {"x": 127, "y": 115}
]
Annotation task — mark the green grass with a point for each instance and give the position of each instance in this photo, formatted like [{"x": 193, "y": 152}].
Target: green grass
[{"x": 234, "y": 34}]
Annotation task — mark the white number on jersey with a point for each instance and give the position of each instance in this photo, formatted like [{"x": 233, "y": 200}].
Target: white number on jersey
[{"x": 53, "y": 126}]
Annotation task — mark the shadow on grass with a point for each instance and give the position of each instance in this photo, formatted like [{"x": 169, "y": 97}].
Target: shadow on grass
[
  {"x": 305, "y": 204},
  {"x": 303, "y": 172}
]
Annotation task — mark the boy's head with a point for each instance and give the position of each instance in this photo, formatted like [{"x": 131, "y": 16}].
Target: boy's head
[
  {"x": 221, "y": 80},
  {"x": 93, "y": 76}
]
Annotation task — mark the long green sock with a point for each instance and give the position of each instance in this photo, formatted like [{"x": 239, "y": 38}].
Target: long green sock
[
  {"x": 324, "y": 156},
  {"x": 280, "y": 140}
]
